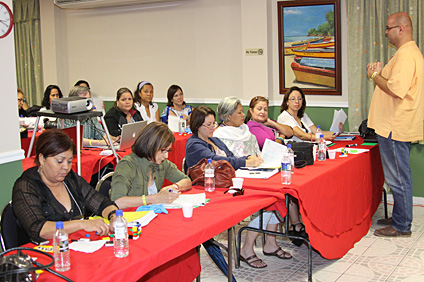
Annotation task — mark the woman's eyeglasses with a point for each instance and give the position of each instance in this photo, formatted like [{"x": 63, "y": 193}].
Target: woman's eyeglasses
[
  {"x": 235, "y": 191},
  {"x": 212, "y": 125},
  {"x": 165, "y": 151},
  {"x": 300, "y": 99}
]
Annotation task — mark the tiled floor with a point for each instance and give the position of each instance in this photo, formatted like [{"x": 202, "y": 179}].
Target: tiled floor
[{"x": 372, "y": 259}]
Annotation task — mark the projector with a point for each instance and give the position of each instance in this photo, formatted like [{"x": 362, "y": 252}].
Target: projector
[{"x": 71, "y": 105}]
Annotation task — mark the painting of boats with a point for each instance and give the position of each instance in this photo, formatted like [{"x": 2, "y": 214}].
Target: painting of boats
[
  {"x": 309, "y": 46},
  {"x": 314, "y": 75}
]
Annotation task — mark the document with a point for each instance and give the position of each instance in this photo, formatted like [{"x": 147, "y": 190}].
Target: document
[
  {"x": 195, "y": 199},
  {"x": 173, "y": 123},
  {"x": 255, "y": 173},
  {"x": 272, "y": 153},
  {"x": 338, "y": 117}
]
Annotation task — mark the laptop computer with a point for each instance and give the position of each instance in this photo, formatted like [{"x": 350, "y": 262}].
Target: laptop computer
[{"x": 129, "y": 134}]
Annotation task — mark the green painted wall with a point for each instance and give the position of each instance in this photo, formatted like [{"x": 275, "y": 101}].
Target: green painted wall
[
  {"x": 324, "y": 117},
  {"x": 9, "y": 172}
]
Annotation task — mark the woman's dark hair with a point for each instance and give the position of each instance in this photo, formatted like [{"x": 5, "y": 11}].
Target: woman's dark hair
[
  {"x": 154, "y": 137},
  {"x": 171, "y": 92},
  {"x": 119, "y": 93},
  {"x": 137, "y": 96},
  {"x": 46, "y": 98},
  {"x": 51, "y": 143},
  {"x": 79, "y": 82},
  {"x": 198, "y": 116},
  {"x": 284, "y": 105},
  {"x": 252, "y": 105}
]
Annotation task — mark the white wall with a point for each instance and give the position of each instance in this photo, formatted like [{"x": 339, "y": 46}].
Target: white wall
[
  {"x": 10, "y": 147},
  {"x": 199, "y": 44}
]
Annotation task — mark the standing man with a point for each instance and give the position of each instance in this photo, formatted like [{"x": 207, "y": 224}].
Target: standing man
[{"x": 396, "y": 114}]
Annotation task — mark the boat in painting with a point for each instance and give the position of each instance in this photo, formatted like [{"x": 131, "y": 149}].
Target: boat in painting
[
  {"x": 321, "y": 42},
  {"x": 318, "y": 53},
  {"x": 313, "y": 72}
]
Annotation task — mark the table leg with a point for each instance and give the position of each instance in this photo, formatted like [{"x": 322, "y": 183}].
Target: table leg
[
  {"x": 230, "y": 254},
  {"x": 79, "y": 147},
  {"x": 109, "y": 139},
  {"x": 31, "y": 144},
  {"x": 385, "y": 202}
]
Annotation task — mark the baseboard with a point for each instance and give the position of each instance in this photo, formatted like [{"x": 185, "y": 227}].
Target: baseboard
[
  {"x": 415, "y": 200},
  {"x": 12, "y": 156}
]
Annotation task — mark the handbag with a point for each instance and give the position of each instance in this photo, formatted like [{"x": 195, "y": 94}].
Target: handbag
[
  {"x": 224, "y": 173},
  {"x": 366, "y": 133},
  {"x": 303, "y": 154}
]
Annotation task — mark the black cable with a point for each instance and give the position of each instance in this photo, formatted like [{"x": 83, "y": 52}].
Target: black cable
[{"x": 40, "y": 266}]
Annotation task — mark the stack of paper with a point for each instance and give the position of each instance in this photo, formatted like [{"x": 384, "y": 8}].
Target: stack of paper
[
  {"x": 195, "y": 199},
  {"x": 339, "y": 117}
]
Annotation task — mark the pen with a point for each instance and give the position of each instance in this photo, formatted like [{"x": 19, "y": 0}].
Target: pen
[
  {"x": 172, "y": 191},
  {"x": 352, "y": 145}
]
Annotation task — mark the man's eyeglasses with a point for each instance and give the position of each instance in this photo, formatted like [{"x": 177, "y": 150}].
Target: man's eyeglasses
[
  {"x": 235, "y": 191},
  {"x": 165, "y": 151},
  {"x": 390, "y": 27},
  {"x": 21, "y": 100},
  {"x": 300, "y": 99}
]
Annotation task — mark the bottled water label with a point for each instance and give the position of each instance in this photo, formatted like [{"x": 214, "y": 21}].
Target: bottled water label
[
  {"x": 63, "y": 246},
  {"x": 321, "y": 146},
  {"x": 285, "y": 166},
  {"x": 209, "y": 173}
]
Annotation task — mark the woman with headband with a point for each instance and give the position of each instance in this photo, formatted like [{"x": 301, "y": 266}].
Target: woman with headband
[{"x": 143, "y": 97}]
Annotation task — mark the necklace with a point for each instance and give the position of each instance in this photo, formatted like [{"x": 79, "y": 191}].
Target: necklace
[{"x": 72, "y": 196}]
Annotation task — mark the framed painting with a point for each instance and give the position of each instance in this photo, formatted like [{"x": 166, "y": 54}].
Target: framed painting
[{"x": 309, "y": 46}]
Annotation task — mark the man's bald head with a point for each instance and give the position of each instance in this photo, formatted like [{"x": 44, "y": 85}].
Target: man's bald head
[{"x": 403, "y": 32}]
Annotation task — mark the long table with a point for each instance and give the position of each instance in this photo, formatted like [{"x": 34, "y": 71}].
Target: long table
[
  {"x": 337, "y": 198},
  {"x": 92, "y": 161},
  {"x": 166, "y": 249}
]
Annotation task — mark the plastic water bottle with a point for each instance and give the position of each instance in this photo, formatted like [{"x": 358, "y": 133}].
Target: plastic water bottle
[
  {"x": 209, "y": 177},
  {"x": 322, "y": 148},
  {"x": 120, "y": 236},
  {"x": 181, "y": 125},
  {"x": 318, "y": 133},
  {"x": 286, "y": 170},
  {"x": 290, "y": 153},
  {"x": 62, "y": 255}
]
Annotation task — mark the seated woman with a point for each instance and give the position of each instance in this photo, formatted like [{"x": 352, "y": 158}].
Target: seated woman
[
  {"x": 176, "y": 105},
  {"x": 51, "y": 192},
  {"x": 262, "y": 126},
  {"x": 139, "y": 177},
  {"x": 143, "y": 96},
  {"x": 293, "y": 114},
  {"x": 202, "y": 145},
  {"x": 233, "y": 131},
  {"x": 122, "y": 112},
  {"x": 52, "y": 92},
  {"x": 93, "y": 133},
  {"x": 22, "y": 104}
]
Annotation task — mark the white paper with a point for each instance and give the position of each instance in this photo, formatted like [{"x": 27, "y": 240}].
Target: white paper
[
  {"x": 195, "y": 199},
  {"x": 352, "y": 151},
  {"x": 272, "y": 153},
  {"x": 145, "y": 219},
  {"x": 173, "y": 123},
  {"x": 255, "y": 174},
  {"x": 87, "y": 246},
  {"x": 338, "y": 117}
]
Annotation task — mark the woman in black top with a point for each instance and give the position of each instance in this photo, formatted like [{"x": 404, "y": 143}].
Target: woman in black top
[
  {"x": 51, "y": 192},
  {"x": 122, "y": 112}
]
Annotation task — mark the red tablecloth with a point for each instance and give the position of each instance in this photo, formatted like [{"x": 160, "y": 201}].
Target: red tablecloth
[
  {"x": 337, "y": 198},
  {"x": 92, "y": 161},
  {"x": 167, "y": 244}
]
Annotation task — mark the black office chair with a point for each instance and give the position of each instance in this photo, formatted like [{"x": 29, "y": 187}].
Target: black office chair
[
  {"x": 104, "y": 184},
  {"x": 11, "y": 232}
]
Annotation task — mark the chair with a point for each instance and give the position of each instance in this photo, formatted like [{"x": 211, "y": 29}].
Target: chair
[
  {"x": 11, "y": 232},
  {"x": 104, "y": 184}
]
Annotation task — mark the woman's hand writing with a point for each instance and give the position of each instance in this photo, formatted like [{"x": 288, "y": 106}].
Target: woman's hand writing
[
  {"x": 164, "y": 196},
  {"x": 254, "y": 161}
]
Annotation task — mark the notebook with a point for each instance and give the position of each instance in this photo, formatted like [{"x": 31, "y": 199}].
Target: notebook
[{"x": 129, "y": 134}]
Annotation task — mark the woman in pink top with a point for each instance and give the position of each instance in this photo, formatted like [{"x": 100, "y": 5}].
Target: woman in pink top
[{"x": 262, "y": 126}]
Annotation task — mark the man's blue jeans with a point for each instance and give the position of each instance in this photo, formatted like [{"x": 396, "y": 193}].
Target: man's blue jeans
[{"x": 397, "y": 174}]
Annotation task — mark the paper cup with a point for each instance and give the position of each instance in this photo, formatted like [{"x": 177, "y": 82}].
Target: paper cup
[
  {"x": 187, "y": 210},
  {"x": 238, "y": 182},
  {"x": 332, "y": 154}
]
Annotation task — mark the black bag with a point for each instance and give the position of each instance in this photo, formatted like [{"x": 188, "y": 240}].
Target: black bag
[
  {"x": 303, "y": 153},
  {"x": 366, "y": 133}
]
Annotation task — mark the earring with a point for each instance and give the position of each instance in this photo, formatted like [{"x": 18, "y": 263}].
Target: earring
[{"x": 40, "y": 170}]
